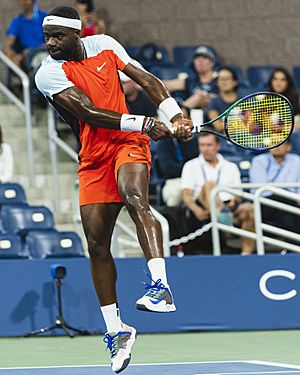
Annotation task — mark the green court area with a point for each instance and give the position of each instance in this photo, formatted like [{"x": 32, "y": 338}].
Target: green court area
[{"x": 275, "y": 346}]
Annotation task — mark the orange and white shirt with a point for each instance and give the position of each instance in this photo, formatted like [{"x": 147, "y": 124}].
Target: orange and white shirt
[{"x": 97, "y": 76}]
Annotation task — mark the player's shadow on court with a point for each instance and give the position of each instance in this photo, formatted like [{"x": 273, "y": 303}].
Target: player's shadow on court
[{"x": 26, "y": 308}]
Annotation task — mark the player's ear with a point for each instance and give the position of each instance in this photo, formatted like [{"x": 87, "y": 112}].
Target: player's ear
[{"x": 77, "y": 34}]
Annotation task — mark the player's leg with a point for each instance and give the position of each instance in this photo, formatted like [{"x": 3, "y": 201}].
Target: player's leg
[
  {"x": 98, "y": 222},
  {"x": 133, "y": 188}
]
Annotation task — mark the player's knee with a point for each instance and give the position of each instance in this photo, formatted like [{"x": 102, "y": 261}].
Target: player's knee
[
  {"x": 98, "y": 247},
  {"x": 135, "y": 203}
]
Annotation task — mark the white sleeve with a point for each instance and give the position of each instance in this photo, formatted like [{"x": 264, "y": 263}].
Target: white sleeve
[
  {"x": 8, "y": 164},
  {"x": 50, "y": 79},
  {"x": 187, "y": 176},
  {"x": 106, "y": 42}
]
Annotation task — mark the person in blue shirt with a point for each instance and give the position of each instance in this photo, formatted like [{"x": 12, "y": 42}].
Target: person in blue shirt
[
  {"x": 277, "y": 165},
  {"x": 24, "y": 33}
]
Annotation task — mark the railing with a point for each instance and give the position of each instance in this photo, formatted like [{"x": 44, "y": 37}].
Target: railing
[
  {"x": 25, "y": 107},
  {"x": 276, "y": 188}
]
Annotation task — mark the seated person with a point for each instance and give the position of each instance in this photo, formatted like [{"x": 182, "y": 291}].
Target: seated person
[
  {"x": 199, "y": 176},
  {"x": 91, "y": 24},
  {"x": 172, "y": 155},
  {"x": 282, "y": 83},
  {"x": 277, "y": 165},
  {"x": 24, "y": 33},
  {"x": 200, "y": 86}
]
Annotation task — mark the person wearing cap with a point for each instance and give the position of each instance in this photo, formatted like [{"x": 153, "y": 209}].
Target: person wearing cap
[
  {"x": 200, "y": 87},
  {"x": 80, "y": 79}
]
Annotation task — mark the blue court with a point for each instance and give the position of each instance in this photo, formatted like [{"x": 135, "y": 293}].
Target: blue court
[{"x": 196, "y": 368}]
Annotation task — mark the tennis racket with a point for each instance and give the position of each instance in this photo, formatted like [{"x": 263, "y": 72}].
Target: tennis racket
[{"x": 258, "y": 121}]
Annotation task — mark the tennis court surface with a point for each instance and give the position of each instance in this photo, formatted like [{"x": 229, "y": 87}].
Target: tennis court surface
[{"x": 194, "y": 368}]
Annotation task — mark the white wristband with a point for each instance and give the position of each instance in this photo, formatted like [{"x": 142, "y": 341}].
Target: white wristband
[
  {"x": 132, "y": 123},
  {"x": 170, "y": 108}
]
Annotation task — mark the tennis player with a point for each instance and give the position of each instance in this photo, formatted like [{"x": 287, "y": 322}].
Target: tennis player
[{"x": 80, "y": 79}]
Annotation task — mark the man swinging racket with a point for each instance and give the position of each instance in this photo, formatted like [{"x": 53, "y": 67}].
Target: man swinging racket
[{"x": 80, "y": 79}]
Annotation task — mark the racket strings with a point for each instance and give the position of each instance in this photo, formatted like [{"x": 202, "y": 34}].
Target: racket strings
[{"x": 260, "y": 121}]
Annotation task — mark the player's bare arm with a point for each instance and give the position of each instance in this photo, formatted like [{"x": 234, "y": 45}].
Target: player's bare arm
[
  {"x": 78, "y": 103},
  {"x": 158, "y": 92}
]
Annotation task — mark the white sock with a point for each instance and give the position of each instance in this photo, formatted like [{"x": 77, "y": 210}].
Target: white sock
[
  {"x": 112, "y": 318},
  {"x": 157, "y": 267}
]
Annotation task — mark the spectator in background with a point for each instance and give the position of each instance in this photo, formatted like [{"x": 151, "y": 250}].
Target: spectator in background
[
  {"x": 6, "y": 161},
  {"x": 281, "y": 82},
  {"x": 200, "y": 87},
  {"x": 25, "y": 32},
  {"x": 200, "y": 176},
  {"x": 91, "y": 24},
  {"x": 172, "y": 155},
  {"x": 277, "y": 165},
  {"x": 137, "y": 101},
  {"x": 227, "y": 83}
]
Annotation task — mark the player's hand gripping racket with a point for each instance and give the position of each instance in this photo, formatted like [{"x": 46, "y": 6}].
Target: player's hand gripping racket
[{"x": 259, "y": 121}]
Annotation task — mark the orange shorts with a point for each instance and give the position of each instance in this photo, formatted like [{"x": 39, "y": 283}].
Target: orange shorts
[{"x": 98, "y": 184}]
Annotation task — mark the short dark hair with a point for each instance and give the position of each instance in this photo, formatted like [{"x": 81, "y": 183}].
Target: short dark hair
[
  {"x": 67, "y": 12},
  {"x": 205, "y": 134}
]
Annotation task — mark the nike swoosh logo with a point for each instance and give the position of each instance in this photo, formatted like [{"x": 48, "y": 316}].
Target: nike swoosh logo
[
  {"x": 134, "y": 155},
  {"x": 155, "y": 302},
  {"x": 99, "y": 68},
  {"x": 131, "y": 118}
]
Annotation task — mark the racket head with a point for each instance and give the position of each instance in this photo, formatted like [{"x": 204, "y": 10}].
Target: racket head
[{"x": 259, "y": 121}]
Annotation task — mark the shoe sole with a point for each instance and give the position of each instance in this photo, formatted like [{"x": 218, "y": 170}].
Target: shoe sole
[
  {"x": 127, "y": 360},
  {"x": 165, "y": 309}
]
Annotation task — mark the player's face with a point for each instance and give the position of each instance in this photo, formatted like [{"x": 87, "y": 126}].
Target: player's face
[
  {"x": 61, "y": 42},
  {"x": 208, "y": 147},
  {"x": 279, "y": 82}
]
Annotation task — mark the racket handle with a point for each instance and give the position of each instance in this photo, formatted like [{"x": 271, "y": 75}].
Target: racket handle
[{"x": 196, "y": 129}]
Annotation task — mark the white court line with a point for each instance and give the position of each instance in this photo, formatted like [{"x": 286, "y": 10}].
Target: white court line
[
  {"x": 134, "y": 364},
  {"x": 251, "y": 373},
  {"x": 295, "y": 367}
]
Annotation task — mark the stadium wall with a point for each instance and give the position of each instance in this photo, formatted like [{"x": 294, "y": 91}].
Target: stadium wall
[
  {"x": 244, "y": 32},
  {"x": 212, "y": 293}
]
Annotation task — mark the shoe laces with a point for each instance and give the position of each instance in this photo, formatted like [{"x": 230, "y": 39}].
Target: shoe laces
[
  {"x": 112, "y": 342},
  {"x": 156, "y": 289}
]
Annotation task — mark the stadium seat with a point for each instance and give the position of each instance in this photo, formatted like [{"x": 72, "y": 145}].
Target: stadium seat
[
  {"x": 258, "y": 75},
  {"x": 296, "y": 76},
  {"x": 168, "y": 72},
  {"x": 12, "y": 193},
  {"x": 183, "y": 55},
  {"x": 20, "y": 219},
  {"x": 11, "y": 247},
  {"x": 149, "y": 54},
  {"x": 54, "y": 244}
]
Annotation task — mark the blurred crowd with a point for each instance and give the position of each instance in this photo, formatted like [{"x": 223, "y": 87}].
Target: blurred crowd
[{"x": 183, "y": 173}]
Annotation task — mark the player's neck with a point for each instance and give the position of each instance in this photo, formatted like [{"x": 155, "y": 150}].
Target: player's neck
[{"x": 79, "y": 53}]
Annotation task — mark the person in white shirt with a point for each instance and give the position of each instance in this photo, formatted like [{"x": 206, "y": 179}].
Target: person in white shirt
[
  {"x": 6, "y": 161},
  {"x": 200, "y": 175}
]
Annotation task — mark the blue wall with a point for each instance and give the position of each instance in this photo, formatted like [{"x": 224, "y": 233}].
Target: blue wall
[{"x": 211, "y": 293}]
